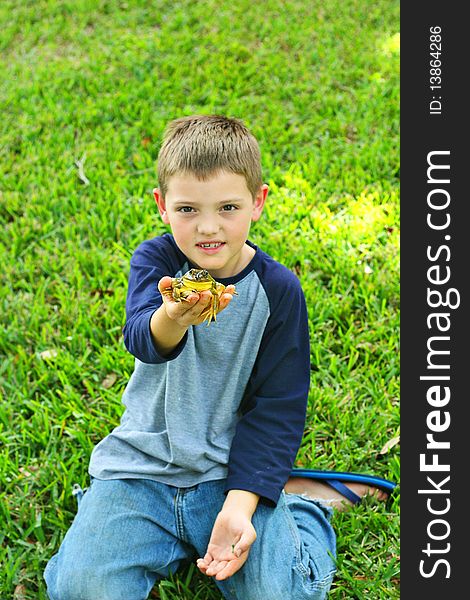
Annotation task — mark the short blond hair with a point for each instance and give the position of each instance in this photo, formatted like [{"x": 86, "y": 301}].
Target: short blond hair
[{"x": 205, "y": 145}]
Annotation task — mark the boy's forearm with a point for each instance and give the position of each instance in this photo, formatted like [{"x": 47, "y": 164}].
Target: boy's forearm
[
  {"x": 241, "y": 500},
  {"x": 166, "y": 332}
]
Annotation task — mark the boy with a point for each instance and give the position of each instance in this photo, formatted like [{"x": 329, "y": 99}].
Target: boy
[{"x": 214, "y": 416}]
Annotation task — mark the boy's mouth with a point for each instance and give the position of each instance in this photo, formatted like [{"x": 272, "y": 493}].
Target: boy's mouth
[
  {"x": 210, "y": 244},
  {"x": 210, "y": 247}
]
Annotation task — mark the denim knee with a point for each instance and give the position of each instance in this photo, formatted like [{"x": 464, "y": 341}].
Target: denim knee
[
  {"x": 89, "y": 582},
  {"x": 293, "y": 556},
  {"x": 315, "y": 564},
  {"x": 299, "y": 585},
  {"x": 314, "y": 581}
]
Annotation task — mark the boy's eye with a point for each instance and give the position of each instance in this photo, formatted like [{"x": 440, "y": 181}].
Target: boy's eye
[
  {"x": 229, "y": 207},
  {"x": 185, "y": 209}
]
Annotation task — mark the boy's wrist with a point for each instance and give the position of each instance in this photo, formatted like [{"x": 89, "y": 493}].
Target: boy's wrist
[
  {"x": 242, "y": 501},
  {"x": 166, "y": 332}
]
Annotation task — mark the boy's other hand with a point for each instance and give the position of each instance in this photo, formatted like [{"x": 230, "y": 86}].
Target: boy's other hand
[
  {"x": 189, "y": 312},
  {"x": 229, "y": 545}
]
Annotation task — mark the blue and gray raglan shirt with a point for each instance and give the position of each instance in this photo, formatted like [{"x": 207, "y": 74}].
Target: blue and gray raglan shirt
[{"x": 229, "y": 402}]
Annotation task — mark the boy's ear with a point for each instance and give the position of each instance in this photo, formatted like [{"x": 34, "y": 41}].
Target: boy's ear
[
  {"x": 259, "y": 201},
  {"x": 159, "y": 199}
]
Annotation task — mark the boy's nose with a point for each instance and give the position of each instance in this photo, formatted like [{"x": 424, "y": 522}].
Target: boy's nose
[{"x": 208, "y": 227}]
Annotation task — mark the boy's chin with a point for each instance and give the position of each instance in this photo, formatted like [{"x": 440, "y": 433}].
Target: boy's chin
[
  {"x": 217, "y": 268},
  {"x": 213, "y": 266},
  {"x": 208, "y": 260}
]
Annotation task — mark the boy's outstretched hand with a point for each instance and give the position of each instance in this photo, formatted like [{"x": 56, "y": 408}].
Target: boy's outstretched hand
[
  {"x": 189, "y": 312},
  {"x": 229, "y": 545},
  {"x": 170, "y": 322},
  {"x": 232, "y": 536}
]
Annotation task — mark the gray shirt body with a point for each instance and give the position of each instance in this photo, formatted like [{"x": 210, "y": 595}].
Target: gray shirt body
[{"x": 180, "y": 415}]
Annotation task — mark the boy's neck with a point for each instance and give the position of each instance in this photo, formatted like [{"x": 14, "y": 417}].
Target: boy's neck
[{"x": 247, "y": 256}]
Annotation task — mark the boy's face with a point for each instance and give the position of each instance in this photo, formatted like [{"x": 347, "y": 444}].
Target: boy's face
[{"x": 210, "y": 220}]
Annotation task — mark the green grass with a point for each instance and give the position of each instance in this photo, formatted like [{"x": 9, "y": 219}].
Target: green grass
[{"x": 96, "y": 82}]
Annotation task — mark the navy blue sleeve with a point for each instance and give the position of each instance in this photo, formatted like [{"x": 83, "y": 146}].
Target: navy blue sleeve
[
  {"x": 152, "y": 260},
  {"x": 270, "y": 431}
]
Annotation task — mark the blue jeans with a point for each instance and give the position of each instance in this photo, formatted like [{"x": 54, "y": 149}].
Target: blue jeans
[{"x": 128, "y": 534}]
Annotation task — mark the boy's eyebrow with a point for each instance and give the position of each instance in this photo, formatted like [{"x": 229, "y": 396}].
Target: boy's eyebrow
[{"x": 186, "y": 202}]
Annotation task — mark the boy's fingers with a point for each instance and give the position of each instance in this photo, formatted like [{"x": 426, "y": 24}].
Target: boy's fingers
[
  {"x": 244, "y": 544},
  {"x": 227, "y": 296},
  {"x": 164, "y": 283},
  {"x": 216, "y": 568},
  {"x": 205, "y": 297},
  {"x": 225, "y": 300},
  {"x": 212, "y": 569},
  {"x": 202, "y": 566},
  {"x": 201, "y": 305},
  {"x": 181, "y": 309},
  {"x": 230, "y": 569}
]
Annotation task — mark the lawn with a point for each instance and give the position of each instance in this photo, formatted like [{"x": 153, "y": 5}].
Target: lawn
[{"x": 86, "y": 90}]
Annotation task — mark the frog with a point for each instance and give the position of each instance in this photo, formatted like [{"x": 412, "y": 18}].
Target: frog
[{"x": 195, "y": 281}]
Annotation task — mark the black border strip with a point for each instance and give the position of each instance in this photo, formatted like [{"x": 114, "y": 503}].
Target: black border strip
[{"x": 434, "y": 256}]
